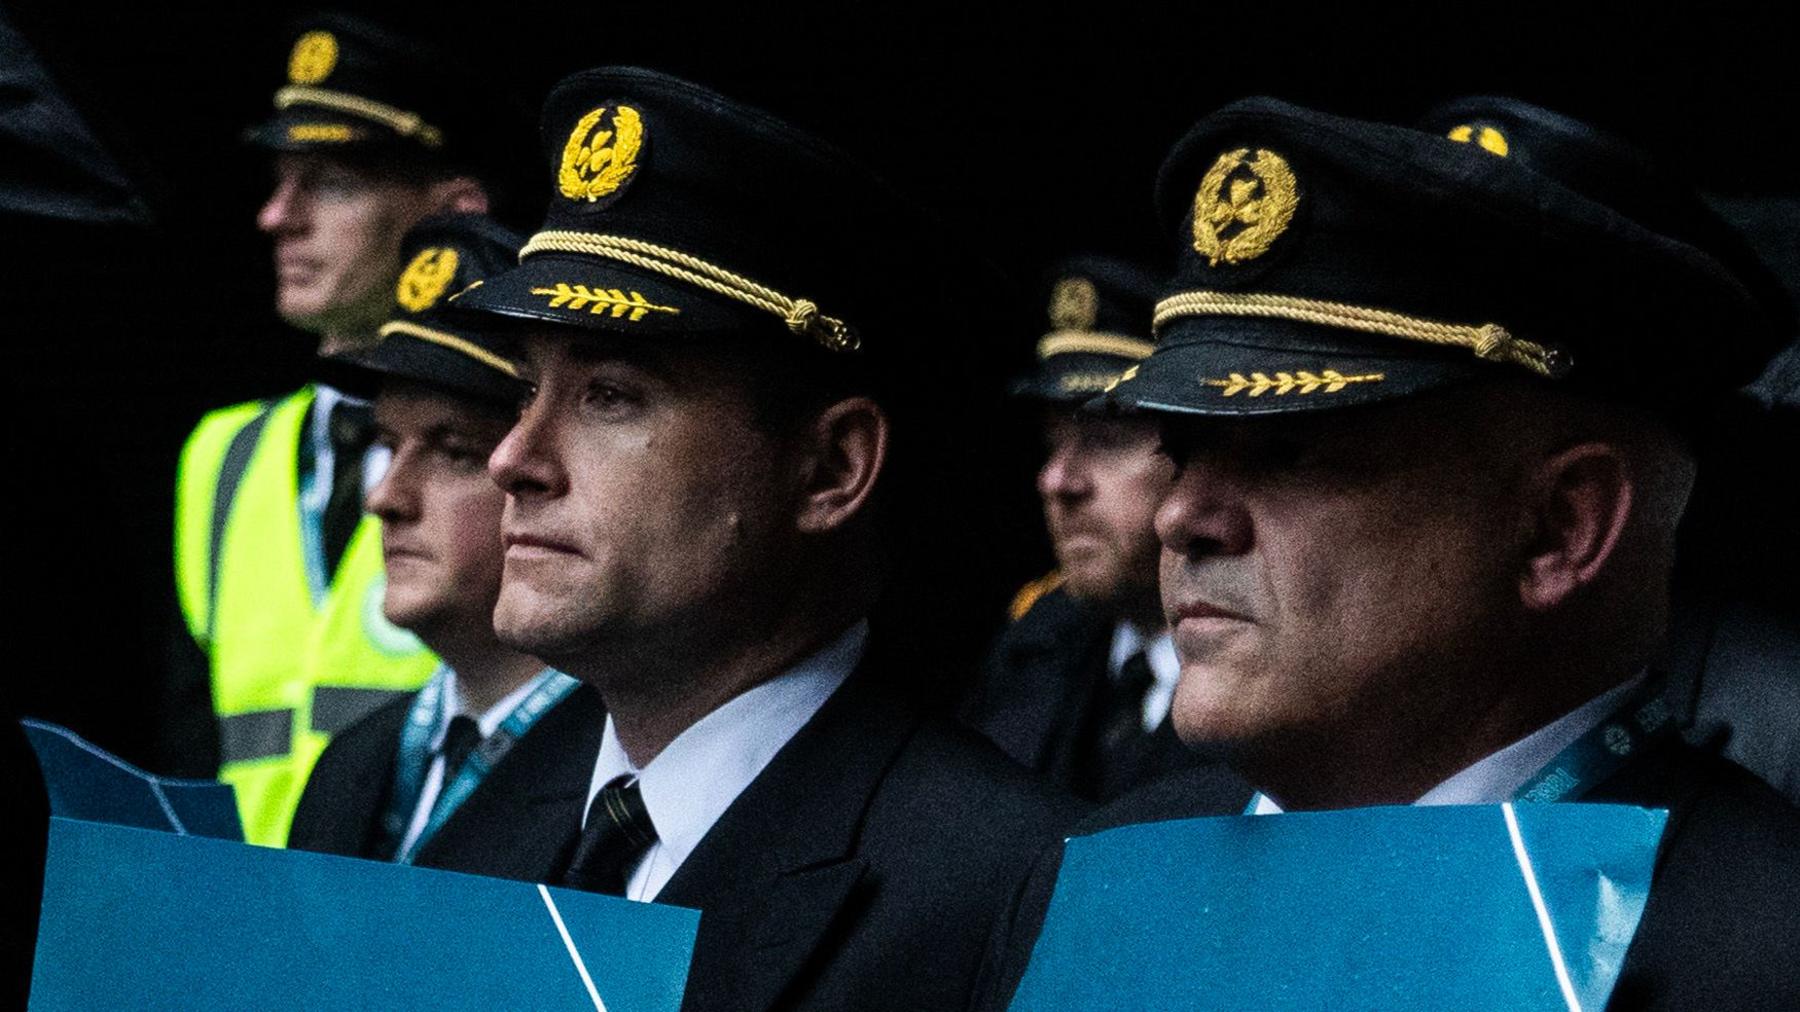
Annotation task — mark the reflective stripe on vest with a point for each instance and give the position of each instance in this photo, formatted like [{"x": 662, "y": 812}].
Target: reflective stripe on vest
[{"x": 280, "y": 661}]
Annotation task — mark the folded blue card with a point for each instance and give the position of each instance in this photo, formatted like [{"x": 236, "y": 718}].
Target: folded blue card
[
  {"x": 86, "y": 782},
  {"x": 1493, "y": 906},
  {"x": 151, "y": 920}
]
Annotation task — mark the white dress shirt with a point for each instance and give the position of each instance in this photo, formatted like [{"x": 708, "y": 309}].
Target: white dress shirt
[
  {"x": 697, "y": 776},
  {"x": 1165, "y": 667},
  {"x": 1499, "y": 776},
  {"x": 489, "y": 722}
]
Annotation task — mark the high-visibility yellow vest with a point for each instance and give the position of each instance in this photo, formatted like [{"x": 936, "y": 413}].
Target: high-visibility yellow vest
[{"x": 288, "y": 671}]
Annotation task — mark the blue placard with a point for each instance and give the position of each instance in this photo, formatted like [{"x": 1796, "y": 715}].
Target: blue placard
[
  {"x": 151, "y": 920},
  {"x": 1491, "y": 906},
  {"x": 86, "y": 782}
]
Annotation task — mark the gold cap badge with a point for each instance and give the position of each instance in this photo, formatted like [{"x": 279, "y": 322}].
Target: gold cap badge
[
  {"x": 313, "y": 59},
  {"x": 424, "y": 280},
  {"x": 1245, "y": 202},
  {"x": 1074, "y": 304},
  {"x": 1486, "y": 138},
  {"x": 599, "y": 159}
]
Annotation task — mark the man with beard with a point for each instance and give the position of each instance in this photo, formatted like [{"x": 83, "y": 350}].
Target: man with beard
[{"x": 1078, "y": 686}]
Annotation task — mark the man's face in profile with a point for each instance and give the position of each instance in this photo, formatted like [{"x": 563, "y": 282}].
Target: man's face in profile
[
  {"x": 1101, "y": 482},
  {"x": 1321, "y": 570},
  {"x": 336, "y": 229}
]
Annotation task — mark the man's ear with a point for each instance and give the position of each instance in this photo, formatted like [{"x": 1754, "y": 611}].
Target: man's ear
[
  {"x": 457, "y": 195},
  {"x": 843, "y": 454},
  {"x": 1584, "y": 500}
]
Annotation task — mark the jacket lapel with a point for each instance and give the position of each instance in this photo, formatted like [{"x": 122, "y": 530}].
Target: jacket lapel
[{"x": 777, "y": 868}]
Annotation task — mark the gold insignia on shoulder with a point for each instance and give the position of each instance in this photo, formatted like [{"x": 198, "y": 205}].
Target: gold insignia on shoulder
[
  {"x": 1300, "y": 381},
  {"x": 1487, "y": 138},
  {"x": 424, "y": 280},
  {"x": 599, "y": 160},
  {"x": 1074, "y": 304},
  {"x": 313, "y": 59},
  {"x": 1244, "y": 204},
  {"x": 602, "y": 301}
]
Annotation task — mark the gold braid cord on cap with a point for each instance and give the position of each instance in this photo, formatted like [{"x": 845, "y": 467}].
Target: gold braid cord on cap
[
  {"x": 406, "y": 124},
  {"x": 1091, "y": 342},
  {"x": 451, "y": 341},
  {"x": 1489, "y": 340},
  {"x": 801, "y": 315}
]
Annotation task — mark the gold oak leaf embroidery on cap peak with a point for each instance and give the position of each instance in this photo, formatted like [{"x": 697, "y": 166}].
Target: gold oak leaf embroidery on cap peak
[
  {"x": 602, "y": 301},
  {"x": 1301, "y": 381}
]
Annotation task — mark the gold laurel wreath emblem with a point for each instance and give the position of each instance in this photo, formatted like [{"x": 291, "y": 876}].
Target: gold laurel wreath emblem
[
  {"x": 1238, "y": 219},
  {"x": 313, "y": 59},
  {"x": 1074, "y": 304},
  {"x": 597, "y": 161},
  {"x": 424, "y": 280},
  {"x": 1328, "y": 381},
  {"x": 602, "y": 301}
]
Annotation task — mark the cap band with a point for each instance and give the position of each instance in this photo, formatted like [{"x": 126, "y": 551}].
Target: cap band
[
  {"x": 451, "y": 341},
  {"x": 406, "y": 124},
  {"x": 1087, "y": 342},
  {"x": 801, "y": 315},
  {"x": 1489, "y": 340}
]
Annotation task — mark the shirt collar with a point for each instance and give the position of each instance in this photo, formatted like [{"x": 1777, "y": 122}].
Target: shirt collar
[
  {"x": 489, "y": 720},
  {"x": 1498, "y": 776},
  {"x": 697, "y": 776}
]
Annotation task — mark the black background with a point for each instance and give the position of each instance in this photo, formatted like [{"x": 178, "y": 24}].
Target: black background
[{"x": 1036, "y": 133}]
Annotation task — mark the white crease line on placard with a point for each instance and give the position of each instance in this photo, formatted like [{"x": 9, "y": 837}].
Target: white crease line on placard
[
  {"x": 1543, "y": 912},
  {"x": 168, "y": 809},
  {"x": 569, "y": 943}
]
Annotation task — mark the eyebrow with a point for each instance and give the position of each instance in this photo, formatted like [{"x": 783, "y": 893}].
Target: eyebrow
[{"x": 637, "y": 354}]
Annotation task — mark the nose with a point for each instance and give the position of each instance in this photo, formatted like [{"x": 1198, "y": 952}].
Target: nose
[
  {"x": 395, "y": 497},
  {"x": 283, "y": 212},
  {"x": 1204, "y": 514},
  {"x": 1063, "y": 476},
  {"x": 525, "y": 463}
]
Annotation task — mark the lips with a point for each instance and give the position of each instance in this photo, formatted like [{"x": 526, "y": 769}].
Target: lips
[
  {"x": 1201, "y": 611},
  {"x": 523, "y": 543}
]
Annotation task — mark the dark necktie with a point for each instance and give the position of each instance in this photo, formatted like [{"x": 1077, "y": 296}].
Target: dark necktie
[
  {"x": 1119, "y": 737},
  {"x": 618, "y": 832},
  {"x": 351, "y": 429},
  {"x": 462, "y": 737}
]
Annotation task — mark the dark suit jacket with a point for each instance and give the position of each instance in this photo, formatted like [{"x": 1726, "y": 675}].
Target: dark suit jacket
[
  {"x": 866, "y": 866},
  {"x": 521, "y": 823},
  {"x": 1721, "y": 929},
  {"x": 1039, "y": 696}
]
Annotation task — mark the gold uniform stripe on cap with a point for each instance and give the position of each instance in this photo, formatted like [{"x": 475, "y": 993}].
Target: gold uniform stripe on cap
[
  {"x": 451, "y": 341},
  {"x": 1489, "y": 340},
  {"x": 801, "y": 315},
  {"x": 406, "y": 124},
  {"x": 1089, "y": 342}
]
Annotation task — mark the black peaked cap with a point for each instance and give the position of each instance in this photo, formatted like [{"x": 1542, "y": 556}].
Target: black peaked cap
[
  {"x": 677, "y": 211},
  {"x": 1326, "y": 262},
  {"x": 427, "y": 342},
  {"x": 1098, "y": 312}
]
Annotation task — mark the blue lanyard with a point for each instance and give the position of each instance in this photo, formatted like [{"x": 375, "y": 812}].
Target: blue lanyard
[
  {"x": 1643, "y": 720},
  {"x": 429, "y": 709}
]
